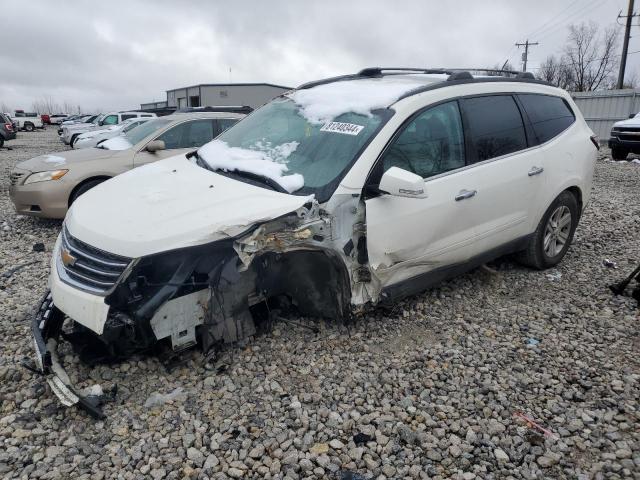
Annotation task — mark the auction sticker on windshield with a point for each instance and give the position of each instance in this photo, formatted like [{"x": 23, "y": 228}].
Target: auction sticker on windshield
[{"x": 341, "y": 127}]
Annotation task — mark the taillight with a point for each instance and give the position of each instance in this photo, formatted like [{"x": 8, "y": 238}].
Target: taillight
[
  {"x": 8, "y": 126},
  {"x": 595, "y": 141}
]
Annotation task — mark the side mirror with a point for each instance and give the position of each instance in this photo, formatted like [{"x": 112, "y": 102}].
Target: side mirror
[
  {"x": 632, "y": 115},
  {"x": 154, "y": 145},
  {"x": 401, "y": 183}
]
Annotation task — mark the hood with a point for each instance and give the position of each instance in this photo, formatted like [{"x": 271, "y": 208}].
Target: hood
[
  {"x": 58, "y": 160},
  {"x": 171, "y": 204},
  {"x": 629, "y": 122}
]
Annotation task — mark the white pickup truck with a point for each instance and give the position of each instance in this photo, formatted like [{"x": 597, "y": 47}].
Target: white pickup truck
[{"x": 28, "y": 121}]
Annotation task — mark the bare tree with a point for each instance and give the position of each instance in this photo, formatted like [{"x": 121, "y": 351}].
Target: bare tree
[
  {"x": 5, "y": 107},
  {"x": 45, "y": 104},
  {"x": 591, "y": 57},
  {"x": 631, "y": 81},
  {"x": 557, "y": 72}
]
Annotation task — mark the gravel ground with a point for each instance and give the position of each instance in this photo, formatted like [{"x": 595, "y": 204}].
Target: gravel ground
[{"x": 429, "y": 389}]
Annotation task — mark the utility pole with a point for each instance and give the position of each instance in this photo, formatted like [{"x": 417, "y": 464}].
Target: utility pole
[
  {"x": 625, "y": 44},
  {"x": 525, "y": 55}
]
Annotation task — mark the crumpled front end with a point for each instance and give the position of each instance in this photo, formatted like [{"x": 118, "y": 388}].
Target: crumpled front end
[{"x": 207, "y": 295}]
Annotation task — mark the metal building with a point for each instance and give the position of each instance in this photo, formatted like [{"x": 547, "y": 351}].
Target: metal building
[{"x": 224, "y": 94}]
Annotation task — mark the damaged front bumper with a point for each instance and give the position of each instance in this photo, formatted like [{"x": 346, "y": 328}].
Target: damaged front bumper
[{"x": 46, "y": 328}]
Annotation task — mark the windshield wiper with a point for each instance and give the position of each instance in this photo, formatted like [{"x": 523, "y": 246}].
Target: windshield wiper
[
  {"x": 259, "y": 178},
  {"x": 238, "y": 173}
]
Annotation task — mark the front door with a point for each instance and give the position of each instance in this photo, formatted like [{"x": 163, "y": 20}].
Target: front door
[{"x": 410, "y": 236}]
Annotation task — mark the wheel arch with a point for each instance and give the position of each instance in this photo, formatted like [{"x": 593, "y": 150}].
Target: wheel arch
[{"x": 84, "y": 182}]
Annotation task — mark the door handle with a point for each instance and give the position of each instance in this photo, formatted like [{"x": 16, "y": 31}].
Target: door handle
[
  {"x": 463, "y": 194},
  {"x": 535, "y": 171}
]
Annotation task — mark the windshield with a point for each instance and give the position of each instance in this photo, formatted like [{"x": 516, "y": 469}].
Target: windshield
[
  {"x": 138, "y": 133},
  {"x": 321, "y": 153}
]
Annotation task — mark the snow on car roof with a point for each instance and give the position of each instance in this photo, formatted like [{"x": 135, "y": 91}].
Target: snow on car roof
[{"x": 323, "y": 103}]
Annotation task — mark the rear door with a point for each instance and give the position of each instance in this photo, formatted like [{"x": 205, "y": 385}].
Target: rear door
[
  {"x": 507, "y": 174},
  {"x": 181, "y": 138}
]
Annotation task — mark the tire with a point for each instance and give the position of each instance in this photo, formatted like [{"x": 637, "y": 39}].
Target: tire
[
  {"x": 1, "y": 142},
  {"x": 73, "y": 139},
  {"x": 83, "y": 188},
  {"x": 29, "y": 127},
  {"x": 540, "y": 254},
  {"x": 618, "y": 153}
]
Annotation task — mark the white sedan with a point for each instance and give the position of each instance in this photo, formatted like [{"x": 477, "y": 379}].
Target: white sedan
[{"x": 94, "y": 137}]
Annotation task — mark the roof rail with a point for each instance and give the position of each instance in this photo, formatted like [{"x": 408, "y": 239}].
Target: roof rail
[
  {"x": 454, "y": 74},
  {"x": 222, "y": 108}
]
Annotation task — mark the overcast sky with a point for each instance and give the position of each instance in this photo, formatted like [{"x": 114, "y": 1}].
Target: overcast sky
[{"x": 118, "y": 54}]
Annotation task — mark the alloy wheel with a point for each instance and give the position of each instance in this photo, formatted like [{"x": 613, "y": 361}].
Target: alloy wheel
[{"x": 557, "y": 230}]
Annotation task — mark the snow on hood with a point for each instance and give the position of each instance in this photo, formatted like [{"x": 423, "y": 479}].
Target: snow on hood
[
  {"x": 54, "y": 159},
  {"x": 264, "y": 160},
  {"x": 171, "y": 204},
  {"x": 116, "y": 143},
  {"x": 324, "y": 103}
]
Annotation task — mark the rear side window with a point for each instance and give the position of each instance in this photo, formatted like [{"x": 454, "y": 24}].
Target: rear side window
[
  {"x": 495, "y": 126},
  {"x": 127, "y": 116},
  {"x": 549, "y": 115}
]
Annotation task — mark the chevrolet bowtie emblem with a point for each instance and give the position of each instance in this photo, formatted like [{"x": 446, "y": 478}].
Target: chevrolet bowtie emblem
[{"x": 68, "y": 260}]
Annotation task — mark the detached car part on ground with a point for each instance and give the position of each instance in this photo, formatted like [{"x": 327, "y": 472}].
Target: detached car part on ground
[{"x": 331, "y": 199}]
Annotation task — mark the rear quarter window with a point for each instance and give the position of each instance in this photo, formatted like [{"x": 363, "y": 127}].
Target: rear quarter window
[{"x": 549, "y": 115}]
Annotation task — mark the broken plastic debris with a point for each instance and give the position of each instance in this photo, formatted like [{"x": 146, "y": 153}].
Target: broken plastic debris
[
  {"x": 533, "y": 342},
  {"x": 531, "y": 423},
  {"x": 554, "y": 276},
  {"x": 636, "y": 161},
  {"x": 157, "y": 399},
  {"x": 609, "y": 263},
  {"x": 93, "y": 391}
]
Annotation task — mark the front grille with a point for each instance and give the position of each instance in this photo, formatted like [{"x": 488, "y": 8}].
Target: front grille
[
  {"x": 629, "y": 129},
  {"x": 14, "y": 178},
  {"x": 88, "y": 267}
]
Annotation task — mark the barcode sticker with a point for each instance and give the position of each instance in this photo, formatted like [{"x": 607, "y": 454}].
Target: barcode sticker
[{"x": 340, "y": 127}]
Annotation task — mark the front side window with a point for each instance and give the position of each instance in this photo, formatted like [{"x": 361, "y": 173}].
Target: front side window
[
  {"x": 110, "y": 120},
  {"x": 147, "y": 128},
  {"x": 495, "y": 125},
  {"x": 549, "y": 115},
  {"x": 224, "y": 123},
  {"x": 432, "y": 143}
]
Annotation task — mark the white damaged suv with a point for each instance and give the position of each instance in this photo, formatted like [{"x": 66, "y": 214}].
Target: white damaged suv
[{"x": 333, "y": 197}]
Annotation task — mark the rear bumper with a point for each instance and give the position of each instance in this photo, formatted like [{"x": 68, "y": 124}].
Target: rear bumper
[
  {"x": 46, "y": 325},
  {"x": 9, "y": 135}
]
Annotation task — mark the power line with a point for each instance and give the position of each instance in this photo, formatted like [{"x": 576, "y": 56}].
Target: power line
[
  {"x": 587, "y": 62},
  {"x": 573, "y": 16}
]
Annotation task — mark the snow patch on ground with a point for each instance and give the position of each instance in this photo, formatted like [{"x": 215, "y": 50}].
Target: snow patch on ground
[
  {"x": 220, "y": 156},
  {"x": 54, "y": 159},
  {"x": 324, "y": 103},
  {"x": 116, "y": 143}
]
